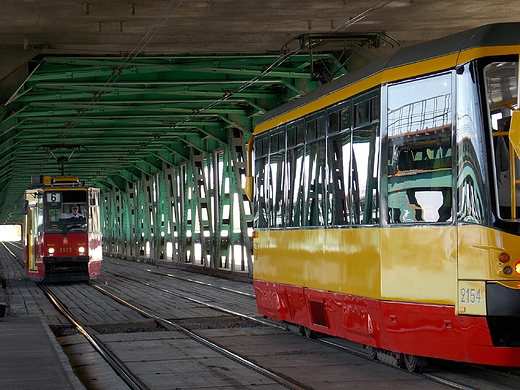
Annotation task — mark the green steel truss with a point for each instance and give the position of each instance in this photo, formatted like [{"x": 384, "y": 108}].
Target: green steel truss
[{"x": 163, "y": 137}]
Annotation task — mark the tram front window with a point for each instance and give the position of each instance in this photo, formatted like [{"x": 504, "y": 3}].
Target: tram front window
[
  {"x": 501, "y": 89},
  {"x": 66, "y": 211},
  {"x": 73, "y": 218}
]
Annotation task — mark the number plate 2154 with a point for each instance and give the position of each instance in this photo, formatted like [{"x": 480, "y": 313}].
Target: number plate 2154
[{"x": 472, "y": 297}]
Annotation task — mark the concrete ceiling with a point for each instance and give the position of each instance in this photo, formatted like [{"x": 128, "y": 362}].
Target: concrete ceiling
[
  {"x": 147, "y": 80},
  {"x": 101, "y": 27}
]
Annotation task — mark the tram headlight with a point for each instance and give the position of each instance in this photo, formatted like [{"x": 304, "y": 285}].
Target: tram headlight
[
  {"x": 51, "y": 250},
  {"x": 81, "y": 249},
  {"x": 517, "y": 267}
]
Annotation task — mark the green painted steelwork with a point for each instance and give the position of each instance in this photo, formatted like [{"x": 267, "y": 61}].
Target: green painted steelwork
[{"x": 163, "y": 137}]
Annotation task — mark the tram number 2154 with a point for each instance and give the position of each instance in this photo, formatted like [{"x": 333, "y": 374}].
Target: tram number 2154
[{"x": 472, "y": 297}]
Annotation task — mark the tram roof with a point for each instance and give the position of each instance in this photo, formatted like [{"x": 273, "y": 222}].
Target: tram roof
[{"x": 448, "y": 49}]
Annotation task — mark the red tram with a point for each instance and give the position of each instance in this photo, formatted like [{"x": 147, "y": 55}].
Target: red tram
[
  {"x": 62, "y": 230},
  {"x": 386, "y": 204}
]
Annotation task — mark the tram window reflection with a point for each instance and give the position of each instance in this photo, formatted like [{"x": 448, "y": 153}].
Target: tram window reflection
[
  {"x": 321, "y": 170},
  {"x": 339, "y": 200},
  {"x": 420, "y": 150}
]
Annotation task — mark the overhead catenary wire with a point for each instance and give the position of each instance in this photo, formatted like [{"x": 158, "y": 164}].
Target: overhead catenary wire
[{"x": 362, "y": 15}]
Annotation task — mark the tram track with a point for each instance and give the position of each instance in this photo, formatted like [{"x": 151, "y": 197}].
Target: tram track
[
  {"x": 126, "y": 374},
  {"x": 198, "y": 301},
  {"x": 120, "y": 368},
  {"x": 430, "y": 377},
  {"x": 208, "y": 343},
  {"x": 437, "y": 378},
  {"x": 433, "y": 378},
  {"x": 114, "y": 362},
  {"x": 252, "y": 296}
]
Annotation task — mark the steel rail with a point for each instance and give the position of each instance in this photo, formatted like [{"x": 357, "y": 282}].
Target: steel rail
[
  {"x": 201, "y": 283},
  {"x": 430, "y": 377},
  {"x": 111, "y": 359},
  {"x": 169, "y": 275},
  {"x": 210, "y": 305},
  {"x": 208, "y": 343}
]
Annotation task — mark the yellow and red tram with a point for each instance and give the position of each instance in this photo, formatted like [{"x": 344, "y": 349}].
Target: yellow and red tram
[
  {"x": 386, "y": 204},
  {"x": 62, "y": 230}
]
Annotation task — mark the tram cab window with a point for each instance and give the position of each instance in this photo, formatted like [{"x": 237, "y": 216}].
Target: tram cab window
[
  {"x": 420, "y": 155},
  {"x": 65, "y": 211},
  {"x": 501, "y": 89}
]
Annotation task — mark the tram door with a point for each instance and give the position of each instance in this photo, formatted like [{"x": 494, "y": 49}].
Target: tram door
[
  {"x": 30, "y": 235},
  {"x": 94, "y": 225}
]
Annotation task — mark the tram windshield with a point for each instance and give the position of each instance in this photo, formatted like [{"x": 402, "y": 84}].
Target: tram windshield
[
  {"x": 502, "y": 96},
  {"x": 66, "y": 211}
]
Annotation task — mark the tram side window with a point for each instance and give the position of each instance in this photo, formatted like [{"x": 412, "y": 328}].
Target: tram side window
[
  {"x": 296, "y": 174},
  {"x": 40, "y": 218},
  {"x": 420, "y": 150},
  {"x": 261, "y": 179},
  {"x": 339, "y": 198},
  {"x": 353, "y": 161},
  {"x": 364, "y": 181},
  {"x": 94, "y": 215},
  {"x": 315, "y": 183},
  {"x": 317, "y": 171},
  {"x": 339, "y": 150},
  {"x": 276, "y": 175}
]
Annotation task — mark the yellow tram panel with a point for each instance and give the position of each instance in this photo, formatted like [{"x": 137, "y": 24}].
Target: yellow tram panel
[
  {"x": 338, "y": 260},
  {"x": 419, "y": 264},
  {"x": 479, "y": 251}
]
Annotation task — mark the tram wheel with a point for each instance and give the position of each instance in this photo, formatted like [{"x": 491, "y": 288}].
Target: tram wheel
[
  {"x": 413, "y": 363},
  {"x": 309, "y": 333},
  {"x": 371, "y": 351},
  {"x": 294, "y": 329}
]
